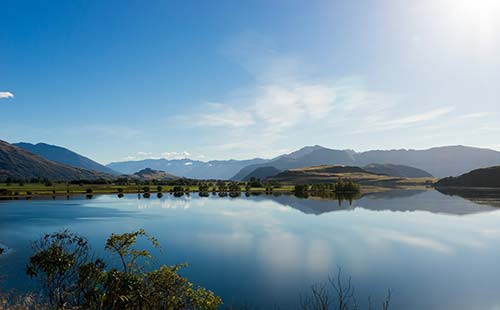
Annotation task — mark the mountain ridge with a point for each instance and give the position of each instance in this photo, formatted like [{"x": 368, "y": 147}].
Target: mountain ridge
[
  {"x": 17, "y": 163},
  {"x": 64, "y": 156},
  {"x": 437, "y": 161}
]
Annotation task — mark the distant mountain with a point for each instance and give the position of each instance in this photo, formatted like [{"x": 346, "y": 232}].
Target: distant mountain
[
  {"x": 485, "y": 177},
  {"x": 64, "y": 156},
  {"x": 397, "y": 171},
  {"x": 18, "y": 163},
  {"x": 195, "y": 169},
  {"x": 150, "y": 174},
  {"x": 305, "y": 157},
  {"x": 262, "y": 173},
  {"x": 302, "y": 152},
  {"x": 440, "y": 161}
]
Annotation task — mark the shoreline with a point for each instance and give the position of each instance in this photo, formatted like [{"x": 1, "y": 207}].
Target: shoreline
[{"x": 50, "y": 196}]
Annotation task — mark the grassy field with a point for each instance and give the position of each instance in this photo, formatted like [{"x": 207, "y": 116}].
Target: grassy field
[
  {"x": 369, "y": 184},
  {"x": 39, "y": 189}
]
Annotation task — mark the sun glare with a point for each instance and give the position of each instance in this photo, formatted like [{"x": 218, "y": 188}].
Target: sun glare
[{"x": 479, "y": 16}]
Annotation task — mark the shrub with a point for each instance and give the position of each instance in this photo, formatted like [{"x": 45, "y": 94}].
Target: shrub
[{"x": 72, "y": 279}]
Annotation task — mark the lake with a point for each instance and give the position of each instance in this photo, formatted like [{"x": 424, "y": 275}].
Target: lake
[{"x": 433, "y": 251}]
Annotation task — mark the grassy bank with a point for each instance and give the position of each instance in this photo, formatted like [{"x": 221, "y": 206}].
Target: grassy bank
[{"x": 39, "y": 189}]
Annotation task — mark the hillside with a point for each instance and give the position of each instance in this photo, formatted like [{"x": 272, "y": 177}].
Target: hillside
[
  {"x": 64, "y": 156},
  {"x": 262, "y": 173},
  {"x": 324, "y": 174},
  {"x": 485, "y": 177},
  {"x": 150, "y": 174},
  {"x": 397, "y": 171},
  {"x": 18, "y": 163}
]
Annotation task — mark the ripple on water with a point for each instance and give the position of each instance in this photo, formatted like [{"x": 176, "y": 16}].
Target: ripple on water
[{"x": 4, "y": 250}]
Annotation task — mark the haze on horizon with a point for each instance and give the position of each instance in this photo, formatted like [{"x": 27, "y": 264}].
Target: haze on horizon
[{"x": 119, "y": 81}]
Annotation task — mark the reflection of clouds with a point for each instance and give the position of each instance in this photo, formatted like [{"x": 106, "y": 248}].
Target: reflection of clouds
[
  {"x": 175, "y": 204},
  {"x": 490, "y": 233},
  {"x": 233, "y": 242},
  {"x": 281, "y": 250},
  {"x": 409, "y": 239},
  {"x": 143, "y": 204},
  {"x": 320, "y": 257}
]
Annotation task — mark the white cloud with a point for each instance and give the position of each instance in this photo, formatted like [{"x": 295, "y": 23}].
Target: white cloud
[
  {"x": 221, "y": 115},
  {"x": 176, "y": 155},
  {"x": 6, "y": 94}
]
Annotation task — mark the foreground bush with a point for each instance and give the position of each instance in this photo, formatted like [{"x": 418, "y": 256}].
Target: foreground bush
[{"x": 72, "y": 279}]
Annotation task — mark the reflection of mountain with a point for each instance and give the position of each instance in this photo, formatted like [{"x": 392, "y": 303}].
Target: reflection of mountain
[
  {"x": 311, "y": 205},
  {"x": 484, "y": 196},
  {"x": 397, "y": 193},
  {"x": 395, "y": 201}
]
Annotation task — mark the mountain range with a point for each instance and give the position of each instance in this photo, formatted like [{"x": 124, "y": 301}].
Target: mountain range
[
  {"x": 17, "y": 163},
  {"x": 439, "y": 162},
  {"x": 64, "y": 156},
  {"x": 195, "y": 169}
]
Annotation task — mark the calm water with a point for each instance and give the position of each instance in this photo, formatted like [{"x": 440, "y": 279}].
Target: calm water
[{"x": 433, "y": 251}]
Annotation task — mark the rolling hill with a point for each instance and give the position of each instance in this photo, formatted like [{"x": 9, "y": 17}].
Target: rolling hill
[
  {"x": 330, "y": 174},
  {"x": 150, "y": 174},
  {"x": 324, "y": 174},
  {"x": 397, "y": 171},
  {"x": 64, "y": 156},
  {"x": 485, "y": 177},
  {"x": 18, "y": 163}
]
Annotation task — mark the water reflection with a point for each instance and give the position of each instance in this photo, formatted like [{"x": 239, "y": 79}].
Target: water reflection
[
  {"x": 267, "y": 249},
  {"x": 483, "y": 196}
]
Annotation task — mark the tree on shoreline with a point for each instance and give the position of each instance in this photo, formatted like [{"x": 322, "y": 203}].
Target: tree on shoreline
[{"x": 72, "y": 278}]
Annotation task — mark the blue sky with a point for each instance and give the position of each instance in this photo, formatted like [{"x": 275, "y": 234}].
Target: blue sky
[{"x": 118, "y": 80}]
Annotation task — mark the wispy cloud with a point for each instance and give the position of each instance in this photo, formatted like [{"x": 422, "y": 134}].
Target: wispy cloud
[
  {"x": 288, "y": 97},
  {"x": 422, "y": 117},
  {"x": 6, "y": 94},
  {"x": 221, "y": 115}
]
